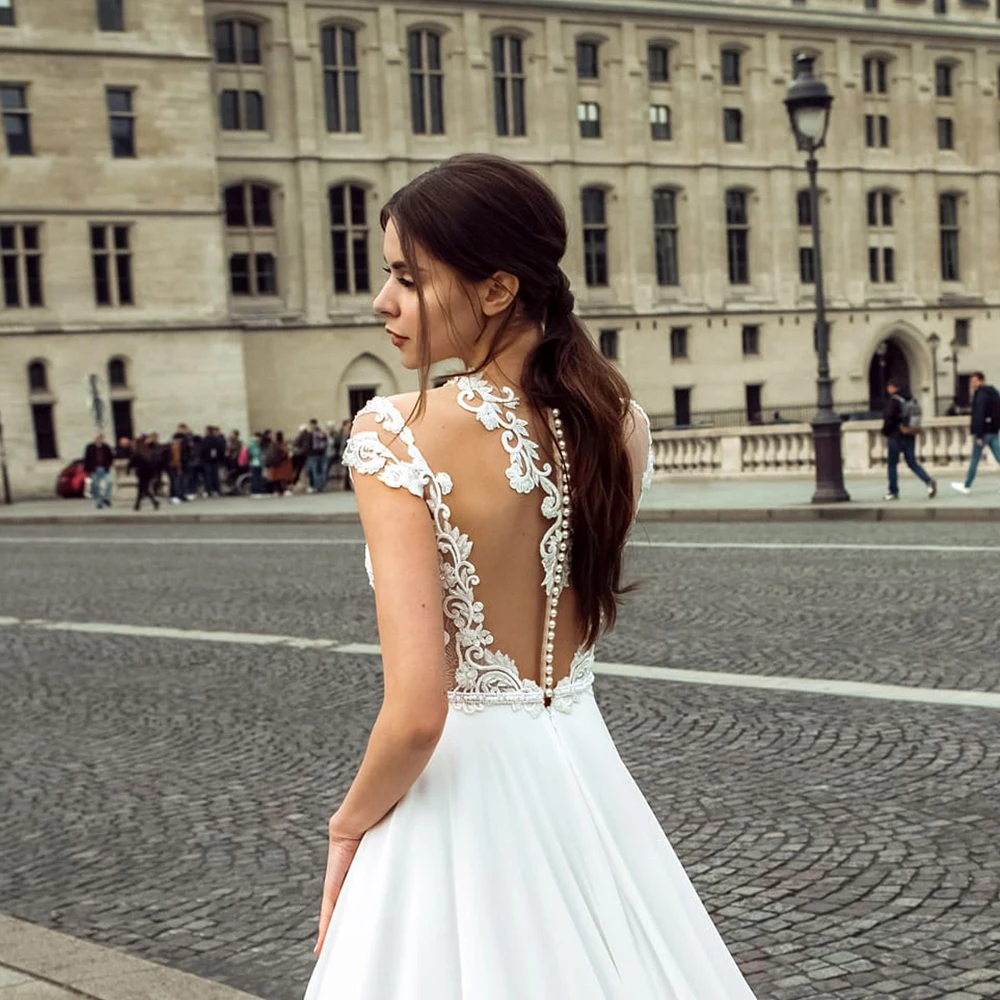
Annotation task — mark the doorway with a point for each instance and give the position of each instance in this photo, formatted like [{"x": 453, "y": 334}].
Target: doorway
[
  {"x": 888, "y": 364},
  {"x": 358, "y": 396}
]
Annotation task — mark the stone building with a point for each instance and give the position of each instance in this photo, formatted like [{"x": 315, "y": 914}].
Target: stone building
[{"x": 189, "y": 197}]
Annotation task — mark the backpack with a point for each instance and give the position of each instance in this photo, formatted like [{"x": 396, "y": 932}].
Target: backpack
[{"x": 910, "y": 416}]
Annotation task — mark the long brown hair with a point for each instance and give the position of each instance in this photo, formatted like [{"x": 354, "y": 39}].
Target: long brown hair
[{"x": 479, "y": 214}]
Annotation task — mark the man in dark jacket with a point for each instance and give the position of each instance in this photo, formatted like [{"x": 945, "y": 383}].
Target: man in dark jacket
[
  {"x": 985, "y": 427},
  {"x": 97, "y": 462},
  {"x": 901, "y": 440}
]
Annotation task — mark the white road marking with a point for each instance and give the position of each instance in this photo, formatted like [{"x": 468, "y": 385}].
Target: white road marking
[
  {"x": 760, "y": 682},
  {"x": 635, "y": 543}
]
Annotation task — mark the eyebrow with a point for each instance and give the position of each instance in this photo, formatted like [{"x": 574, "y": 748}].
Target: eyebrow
[{"x": 401, "y": 265}]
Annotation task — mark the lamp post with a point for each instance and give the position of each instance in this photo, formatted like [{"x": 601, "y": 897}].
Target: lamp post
[
  {"x": 808, "y": 103},
  {"x": 953, "y": 358},
  {"x": 934, "y": 341},
  {"x": 7, "y": 498},
  {"x": 880, "y": 352}
]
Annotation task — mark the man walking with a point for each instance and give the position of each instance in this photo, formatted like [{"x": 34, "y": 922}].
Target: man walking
[
  {"x": 97, "y": 462},
  {"x": 317, "y": 457},
  {"x": 901, "y": 429},
  {"x": 985, "y": 427},
  {"x": 143, "y": 463}
]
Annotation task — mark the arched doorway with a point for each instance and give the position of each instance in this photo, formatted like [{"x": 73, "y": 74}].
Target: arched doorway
[
  {"x": 364, "y": 377},
  {"x": 888, "y": 364}
]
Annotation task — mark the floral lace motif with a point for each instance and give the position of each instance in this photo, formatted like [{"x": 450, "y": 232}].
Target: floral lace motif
[
  {"x": 484, "y": 676},
  {"x": 647, "y": 475}
]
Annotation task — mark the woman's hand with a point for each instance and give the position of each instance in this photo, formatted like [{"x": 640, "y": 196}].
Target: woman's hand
[{"x": 338, "y": 861}]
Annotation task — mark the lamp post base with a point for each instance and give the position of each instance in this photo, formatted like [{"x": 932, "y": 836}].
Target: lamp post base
[{"x": 829, "y": 463}]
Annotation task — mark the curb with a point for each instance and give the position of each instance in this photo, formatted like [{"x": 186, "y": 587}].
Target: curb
[
  {"x": 736, "y": 515},
  {"x": 66, "y": 967}
]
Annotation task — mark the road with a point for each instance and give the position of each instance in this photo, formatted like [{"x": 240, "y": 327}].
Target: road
[{"x": 181, "y": 707}]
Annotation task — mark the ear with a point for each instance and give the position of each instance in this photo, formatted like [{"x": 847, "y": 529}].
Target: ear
[{"x": 497, "y": 293}]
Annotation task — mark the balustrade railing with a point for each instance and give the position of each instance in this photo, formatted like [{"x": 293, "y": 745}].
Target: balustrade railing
[{"x": 787, "y": 449}]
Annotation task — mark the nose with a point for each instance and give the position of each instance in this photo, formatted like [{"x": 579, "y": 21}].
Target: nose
[{"x": 383, "y": 304}]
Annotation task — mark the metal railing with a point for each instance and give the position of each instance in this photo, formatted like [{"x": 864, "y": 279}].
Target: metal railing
[{"x": 772, "y": 415}]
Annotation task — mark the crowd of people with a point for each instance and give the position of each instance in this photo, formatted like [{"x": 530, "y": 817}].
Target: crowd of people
[{"x": 191, "y": 466}]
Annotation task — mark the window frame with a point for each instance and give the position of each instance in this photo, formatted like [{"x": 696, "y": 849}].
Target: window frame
[
  {"x": 110, "y": 15},
  {"x": 679, "y": 343},
  {"x": 22, "y": 112},
  {"x": 17, "y": 262},
  {"x": 115, "y": 258},
  {"x": 509, "y": 84},
  {"x": 596, "y": 262},
  {"x": 666, "y": 237},
  {"x": 590, "y": 46},
  {"x": 750, "y": 339},
  {"x": 128, "y": 116},
  {"x": 590, "y": 126},
  {"x": 660, "y": 131},
  {"x": 731, "y": 66},
  {"x": 257, "y": 241},
  {"x": 341, "y": 86},
  {"x": 738, "y": 237},
  {"x": 426, "y": 81},
  {"x": 950, "y": 238},
  {"x": 352, "y": 233},
  {"x": 658, "y": 47},
  {"x": 732, "y": 126}
]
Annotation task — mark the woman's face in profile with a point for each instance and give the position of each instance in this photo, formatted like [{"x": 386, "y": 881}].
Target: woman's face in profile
[{"x": 454, "y": 321}]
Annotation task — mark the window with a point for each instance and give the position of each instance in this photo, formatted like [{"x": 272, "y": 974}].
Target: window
[
  {"x": 609, "y": 344},
  {"x": 803, "y": 204},
  {"x": 117, "y": 374},
  {"x": 880, "y": 209},
  {"x": 665, "y": 236},
  {"x": 237, "y": 43},
  {"x": 943, "y": 79},
  {"x": 963, "y": 392},
  {"x": 946, "y": 133},
  {"x": 875, "y": 71},
  {"x": 426, "y": 83},
  {"x": 587, "y": 65},
  {"x": 658, "y": 60},
  {"x": 45, "y": 431},
  {"x": 754, "y": 405},
  {"x": 112, "y": 263},
  {"x": 241, "y": 110},
  {"x": 7, "y": 19},
  {"x": 16, "y": 118},
  {"x": 940, "y": 6},
  {"x": 253, "y": 260},
  {"x": 807, "y": 266},
  {"x": 110, "y": 15},
  {"x": 595, "y": 236},
  {"x": 678, "y": 342},
  {"x": 871, "y": 4},
  {"x": 121, "y": 121},
  {"x": 682, "y": 407},
  {"x": 340, "y": 79},
  {"x": 732, "y": 124},
  {"x": 589, "y": 114},
  {"x": 121, "y": 419},
  {"x": 751, "y": 341},
  {"x": 731, "y": 67},
  {"x": 737, "y": 238},
  {"x": 659, "y": 122},
  {"x": 21, "y": 266},
  {"x": 38, "y": 377},
  {"x": 876, "y": 131},
  {"x": 948, "y": 218},
  {"x": 508, "y": 85},
  {"x": 349, "y": 239},
  {"x": 962, "y": 327}
]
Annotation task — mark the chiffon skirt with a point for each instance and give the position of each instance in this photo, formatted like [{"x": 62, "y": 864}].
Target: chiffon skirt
[{"x": 523, "y": 864}]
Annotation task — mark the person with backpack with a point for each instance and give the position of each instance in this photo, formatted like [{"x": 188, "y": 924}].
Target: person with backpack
[
  {"x": 901, "y": 425},
  {"x": 985, "y": 427}
]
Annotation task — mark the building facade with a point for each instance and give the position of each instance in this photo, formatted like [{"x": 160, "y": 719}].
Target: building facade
[{"x": 189, "y": 197}]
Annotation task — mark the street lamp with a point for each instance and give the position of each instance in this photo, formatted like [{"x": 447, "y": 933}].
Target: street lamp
[
  {"x": 808, "y": 104},
  {"x": 4, "y": 477},
  {"x": 934, "y": 341},
  {"x": 953, "y": 358},
  {"x": 880, "y": 352}
]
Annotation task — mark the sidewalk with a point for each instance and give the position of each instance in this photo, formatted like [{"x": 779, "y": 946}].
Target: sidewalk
[
  {"x": 678, "y": 499},
  {"x": 39, "y": 964}
]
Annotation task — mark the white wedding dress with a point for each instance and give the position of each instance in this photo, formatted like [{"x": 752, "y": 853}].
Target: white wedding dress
[{"x": 524, "y": 863}]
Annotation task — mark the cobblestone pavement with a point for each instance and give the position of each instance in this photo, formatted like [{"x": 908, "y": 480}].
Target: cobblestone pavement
[{"x": 169, "y": 797}]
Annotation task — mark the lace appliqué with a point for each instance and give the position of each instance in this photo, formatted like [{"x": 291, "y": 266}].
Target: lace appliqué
[{"x": 647, "y": 474}]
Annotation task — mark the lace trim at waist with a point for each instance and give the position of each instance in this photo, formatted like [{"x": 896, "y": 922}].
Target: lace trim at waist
[{"x": 529, "y": 697}]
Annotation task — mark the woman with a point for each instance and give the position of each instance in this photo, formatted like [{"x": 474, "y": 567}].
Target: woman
[
  {"x": 142, "y": 461},
  {"x": 492, "y": 845},
  {"x": 279, "y": 466}
]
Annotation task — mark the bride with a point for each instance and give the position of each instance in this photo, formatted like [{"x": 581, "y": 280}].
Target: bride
[{"x": 493, "y": 845}]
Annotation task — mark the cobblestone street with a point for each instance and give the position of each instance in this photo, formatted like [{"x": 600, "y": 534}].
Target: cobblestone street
[{"x": 176, "y": 730}]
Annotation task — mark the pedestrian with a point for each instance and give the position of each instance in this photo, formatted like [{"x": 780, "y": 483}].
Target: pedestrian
[
  {"x": 160, "y": 459},
  {"x": 317, "y": 457},
  {"x": 196, "y": 468},
  {"x": 342, "y": 437},
  {"x": 493, "y": 843},
  {"x": 213, "y": 452},
  {"x": 279, "y": 466},
  {"x": 175, "y": 467},
  {"x": 255, "y": 454},
  {"x": 985, "y": 427},
  {"x": 143, "y": 463},
  {"x": 98, "y": 460},
  {"x": 901, "y": 425},
  {"x": 300, "y": 451}
]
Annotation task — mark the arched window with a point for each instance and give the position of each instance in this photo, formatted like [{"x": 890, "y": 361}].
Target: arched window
[
  {"x": 732, "y": 68},
  {"x": 595, "y": 236},
  {"x": 665, "y": 236},
  {"x": 944, "y": 79},
  {"x": 117, "y": 374},
  {"x": 240, "y": 77},
  {"x": 426, "y": 82},
  {"x": 737, "y": 237},
  {"x": 340, "y": 78},
  {"x": 251, "y": 239},
  {"x": 658, "y": 62},
  {"x": 42, "y": 410},
  {"x": 588, "y": 61},
  {"x": 875, "y": 74},
  {"x": 507, "y": 54},
  {"x": 349, "y": 239},
  {"x": 38, "y": 377}
]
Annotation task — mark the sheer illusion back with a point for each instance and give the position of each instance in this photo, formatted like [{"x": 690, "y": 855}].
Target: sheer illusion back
[{"x": 498, "y": 489}]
